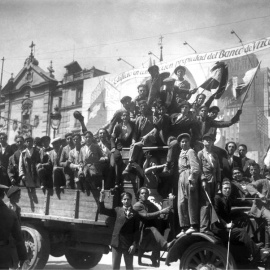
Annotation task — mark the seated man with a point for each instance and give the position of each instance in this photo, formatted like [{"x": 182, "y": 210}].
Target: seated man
[
  {"x": 222, "y": 205},
  {"x": 106, "y": 168},
  {"x": 45, "y": 173},
  {"x": 261, "y": 206},
  {"x": 73, "y": 159},
  {"x": 255, "y": 172},
  {"x": 121, "y": 137},
  {"x": 239, "y": 188},
  {"x": 69, "y": 175},
  {"x": 58, "y": 176},
  {"x": 90, "y": 155},
  {"x": 150, "y": 239},
  {"x": 13, "y": 166},
  {"x": 246, "y": 162}
]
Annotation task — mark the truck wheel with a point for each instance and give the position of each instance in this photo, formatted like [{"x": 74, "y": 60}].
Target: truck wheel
[
  {"x": 37, "y": 246},
  {"x": 205, "y": 255},
  {"x": 81, "y": 259}
]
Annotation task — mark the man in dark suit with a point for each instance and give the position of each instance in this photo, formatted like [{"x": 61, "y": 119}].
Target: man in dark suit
[
  {"x": 9, "y": 226},
  {"x": 231, "y": 161},
  {"x": 13, "y": 165},
  {"x": 246, "y": 162},
  {"x": 153, "y": 85},
  {"x": 5, "y": 153},
  {"x": 125, "y": 235},
  {"x": 222, "y": 205}
]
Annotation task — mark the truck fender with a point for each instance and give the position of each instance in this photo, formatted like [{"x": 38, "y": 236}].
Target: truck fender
[{"x": 183, "y": 242}]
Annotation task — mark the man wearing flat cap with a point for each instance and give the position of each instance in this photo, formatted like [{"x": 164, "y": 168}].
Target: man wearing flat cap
[
  {"x": 210, "y": 180},
  {"x": 182, "y": 84},
  {"x": 9, "y": 227},
  {"x": 64, "y": 160},
  {"x": 188, "y": 186},
  {"x": 53, "y": 164}
]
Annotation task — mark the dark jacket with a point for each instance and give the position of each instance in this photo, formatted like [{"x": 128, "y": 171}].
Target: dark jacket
[
  {"x": 4, "y": 157},
  {"x": 64, "y": 159},
  {"x": 223, "y": 210},
  {"x": 9, "y": 226},
  {"x": 126, "y": 230},
  {"x": 117, "y": 141},
  {"x": 13, "y": 166},
  {"x": 227, "y": 168}
]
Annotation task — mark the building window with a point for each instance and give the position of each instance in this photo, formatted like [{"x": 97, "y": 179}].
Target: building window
[{"x": 79, "y": 95}]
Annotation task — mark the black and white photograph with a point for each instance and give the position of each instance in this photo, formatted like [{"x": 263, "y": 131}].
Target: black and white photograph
[{"x": 135, "y": 134}]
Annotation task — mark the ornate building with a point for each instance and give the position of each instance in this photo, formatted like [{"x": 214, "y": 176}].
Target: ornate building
[{"x": 28, "y": 99}]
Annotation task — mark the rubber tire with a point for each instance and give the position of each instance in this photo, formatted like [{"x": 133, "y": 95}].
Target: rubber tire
[
  {"x": 57, "y": 250},
  {"x": 39, "y": 255},
  {"x": 81, "y": 259},
  {"x": 219, "y": 251}
]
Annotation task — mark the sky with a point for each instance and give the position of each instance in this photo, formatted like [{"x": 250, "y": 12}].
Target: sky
[{"x": 98, "y": 32}]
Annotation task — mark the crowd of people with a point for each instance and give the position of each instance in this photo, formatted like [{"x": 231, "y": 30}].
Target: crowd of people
[{"x": 161, "y": 115}]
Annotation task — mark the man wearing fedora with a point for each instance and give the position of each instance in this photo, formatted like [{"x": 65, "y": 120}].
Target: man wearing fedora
[{"x": 9, "y": 227}]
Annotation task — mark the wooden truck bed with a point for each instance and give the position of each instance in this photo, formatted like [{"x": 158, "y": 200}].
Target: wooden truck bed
[{"x": 68, "y": 205}]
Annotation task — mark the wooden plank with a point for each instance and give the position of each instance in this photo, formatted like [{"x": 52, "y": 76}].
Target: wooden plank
[{"x": 57, "y": 218}]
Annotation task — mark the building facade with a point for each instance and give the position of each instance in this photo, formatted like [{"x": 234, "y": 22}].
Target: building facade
[{"x": 28, "y": 99}]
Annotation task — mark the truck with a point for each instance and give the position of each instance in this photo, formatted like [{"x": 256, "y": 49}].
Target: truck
[{"x": 67, "y": 222}]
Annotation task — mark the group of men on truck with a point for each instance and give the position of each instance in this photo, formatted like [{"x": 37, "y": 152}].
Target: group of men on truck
[{"x": 160, "y": 115}]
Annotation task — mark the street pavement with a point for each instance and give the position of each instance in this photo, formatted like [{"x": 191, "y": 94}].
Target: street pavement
[{"x": 105, "y": 263}]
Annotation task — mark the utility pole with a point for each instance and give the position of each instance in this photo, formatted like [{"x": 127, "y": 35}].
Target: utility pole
[
  {"x": 3, "y": 60},
  {"x": 161, "y": 47}
]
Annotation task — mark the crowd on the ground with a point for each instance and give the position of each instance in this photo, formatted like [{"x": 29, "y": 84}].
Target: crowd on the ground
[{"x": 201, "y": 174}]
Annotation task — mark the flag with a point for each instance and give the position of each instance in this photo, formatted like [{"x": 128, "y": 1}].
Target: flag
[
  {"x": 248, "y": 79},
  {"x": 218, "y": 79}
]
